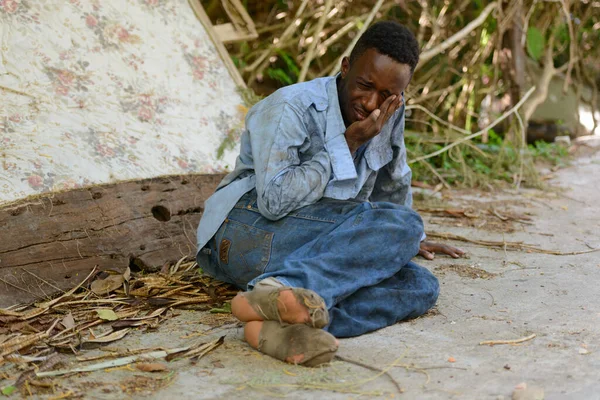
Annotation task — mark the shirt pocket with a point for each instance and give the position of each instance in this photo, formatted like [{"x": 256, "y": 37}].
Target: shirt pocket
[
  {"x": 244, "y": 251},
  {"x": 378, "y": 158}
]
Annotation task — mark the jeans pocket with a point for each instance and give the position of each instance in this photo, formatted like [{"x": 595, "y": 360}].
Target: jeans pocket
[{"x": 244, "y": 251}]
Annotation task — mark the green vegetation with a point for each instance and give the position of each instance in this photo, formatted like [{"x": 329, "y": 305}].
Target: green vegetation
[{"x": 478, "y": 164}]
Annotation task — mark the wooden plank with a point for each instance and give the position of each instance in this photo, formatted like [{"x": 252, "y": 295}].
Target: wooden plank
[
  {"x": 201, "y": 15},
  {"x": 242, "y": 23},
  {"x": 227, "y": 33},
  {"x": 50, "y": 243}
]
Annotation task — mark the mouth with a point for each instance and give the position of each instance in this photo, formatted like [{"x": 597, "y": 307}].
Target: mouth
[{"x": 359, "y": 114}]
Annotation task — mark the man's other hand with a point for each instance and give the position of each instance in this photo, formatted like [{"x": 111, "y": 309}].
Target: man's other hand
[{"x": 429, "y": 249}]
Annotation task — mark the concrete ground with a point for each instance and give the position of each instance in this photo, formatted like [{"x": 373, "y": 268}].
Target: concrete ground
[{"x": 493, "y": 295}]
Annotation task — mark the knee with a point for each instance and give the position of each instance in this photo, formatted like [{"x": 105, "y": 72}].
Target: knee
[
  {"x": 407, "y": 221},
  {"x": 415, "y": 221},
  {"x": 409, "y": 226}
]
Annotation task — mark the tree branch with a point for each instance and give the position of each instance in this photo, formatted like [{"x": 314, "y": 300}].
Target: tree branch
[
  {"x": 479, "y": 133},
  {"x": 313, "y": 45},
  {"x": 429, "y": 54},
  {"x": 336, "y": 66}
]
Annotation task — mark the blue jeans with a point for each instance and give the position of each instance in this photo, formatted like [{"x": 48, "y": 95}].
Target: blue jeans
[{"x": 355, "y": 255}]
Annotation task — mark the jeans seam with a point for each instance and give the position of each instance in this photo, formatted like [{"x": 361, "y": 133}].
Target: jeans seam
[
  {"x": 305, "y": 217},
  {"x": 311, "y": 218}
]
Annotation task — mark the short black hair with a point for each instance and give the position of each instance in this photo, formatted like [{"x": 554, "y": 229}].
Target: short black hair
[{"x": 391, "y": 39}]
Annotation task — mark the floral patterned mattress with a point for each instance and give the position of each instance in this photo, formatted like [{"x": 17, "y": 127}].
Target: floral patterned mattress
[{"x": 100, "y": 91}]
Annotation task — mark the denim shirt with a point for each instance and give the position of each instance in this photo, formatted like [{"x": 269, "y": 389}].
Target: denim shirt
[{"x": 294, "y": 152}]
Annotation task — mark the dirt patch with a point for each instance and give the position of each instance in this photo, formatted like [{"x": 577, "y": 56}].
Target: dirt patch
[
  {"x": 466, "y": 271},
  {"x": 479, "y": 215},
  {"x": 145, "y": 385},
  {"x": 217, "y": 320}
]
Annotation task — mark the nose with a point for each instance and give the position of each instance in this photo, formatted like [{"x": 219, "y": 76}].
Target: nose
[{"x": 371, "y": 102}]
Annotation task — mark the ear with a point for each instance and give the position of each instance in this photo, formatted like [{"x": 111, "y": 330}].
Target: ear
[{"x": 345, "y": 66}]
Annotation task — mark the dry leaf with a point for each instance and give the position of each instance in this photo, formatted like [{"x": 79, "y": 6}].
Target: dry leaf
[
  {"x": 110, "y": 338},
  {"x": 68, "y": 321},
  {"x": 151, "y": 367},
  {"x": 105, "y": 286},
  {"x": 108, "y": 315}
]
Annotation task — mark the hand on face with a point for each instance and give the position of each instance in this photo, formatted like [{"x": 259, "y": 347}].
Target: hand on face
[{"x": 360, "y": 132}]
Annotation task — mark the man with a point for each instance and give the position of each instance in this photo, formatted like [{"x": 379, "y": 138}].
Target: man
[{"x": 315, "y": 220}]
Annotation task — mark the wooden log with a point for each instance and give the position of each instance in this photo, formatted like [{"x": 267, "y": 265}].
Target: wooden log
[{"x": 51, "y": 242}]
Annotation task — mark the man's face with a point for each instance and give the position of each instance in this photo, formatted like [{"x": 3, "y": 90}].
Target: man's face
[{"x": 366, "y": 84}]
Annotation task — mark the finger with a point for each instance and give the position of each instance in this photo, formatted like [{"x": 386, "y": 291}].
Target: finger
[
  {"x": 455, "y": 252},
  {"x": 426, "y": 254},
  {"x": 369, "y": 124},
  {"x": 374, "y": 116},
  {"x": 387, "y": 108},
  {"x": 459, "y": 251},
  {"x": 400, "y": 102},
  {"x": 392, "y": 108},
  {"x": 451, "y": 251},
  {"x": 384, "y": 109}
]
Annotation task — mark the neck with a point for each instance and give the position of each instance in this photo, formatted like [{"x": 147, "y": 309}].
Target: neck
[{"x": 341, "y": 92}]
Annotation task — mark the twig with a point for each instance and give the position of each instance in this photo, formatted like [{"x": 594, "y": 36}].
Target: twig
[
  {"x": 515, "y": 341},
  {"x": 336, "y": 66},
  {"x": 367, "y": 366},
  {"x": 437, "y": 174},
  {"x": 509, "y": 245},
  {"x": 313, "y": 45},
  {"x": 572, "y": 45},
  {"x": 479, "y": 133},
  {"x": 114, "y": 363},
  {"x": 70, "y": 292},
  {"x": 497, "y": 214},
  {"x": 19, "y": 288},
  {"x": 21, "y": 342},
  {"x": 335, "y": 37},
  {"x": 43, "y": 280},
  {"x": 438, "y": 119},
  {"x": 521, "y": 153},
  {"x": 429, "y": 54},
  {"x": 289, "y": 31}
]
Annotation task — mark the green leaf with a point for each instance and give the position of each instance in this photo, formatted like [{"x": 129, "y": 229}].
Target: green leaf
[
  {"x": 8, "y": 390},
  {"x": 108, "y": 315},
  {"x": 289, "y": 62},
  {"x": 279, "y": 75},
  {"x": 226, "y": 309},
  {"x": 535, "y": 43},
  {"x": 485, "y": 37}
]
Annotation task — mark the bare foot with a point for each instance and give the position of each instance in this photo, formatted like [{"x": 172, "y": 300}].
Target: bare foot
[
  {"x": 290, "y": 310},
  {"x": 252, "y": 335}
]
